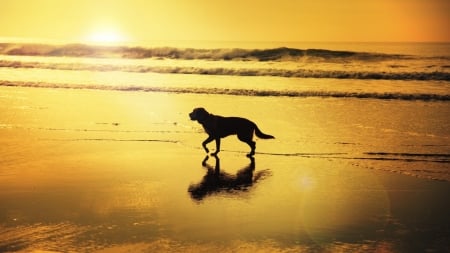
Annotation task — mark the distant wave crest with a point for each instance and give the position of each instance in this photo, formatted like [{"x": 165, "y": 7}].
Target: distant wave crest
[
  {"x": 241, "y": 92},
  {"x": 282, "y": 53}
]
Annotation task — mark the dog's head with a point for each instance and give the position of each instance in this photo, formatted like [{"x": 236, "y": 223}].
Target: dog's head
[{"x": 198, "y": 114}]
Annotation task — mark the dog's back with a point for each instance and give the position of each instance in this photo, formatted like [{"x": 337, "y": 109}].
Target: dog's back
[{"x": 233, "y": 125}]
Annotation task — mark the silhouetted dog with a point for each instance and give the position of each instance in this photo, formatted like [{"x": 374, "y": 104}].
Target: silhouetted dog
[{"x": 219, "y": 127}]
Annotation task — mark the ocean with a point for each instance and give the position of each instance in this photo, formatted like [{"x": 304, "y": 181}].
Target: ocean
[
  {"x": 98, "y": 154},
  {"x": 408, "y": 71}
]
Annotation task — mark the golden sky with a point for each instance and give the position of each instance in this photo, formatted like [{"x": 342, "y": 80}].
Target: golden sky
[{"x": 227, "y": 20}]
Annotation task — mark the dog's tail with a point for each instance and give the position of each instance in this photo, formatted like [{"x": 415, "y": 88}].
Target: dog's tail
[{"x": 261, "y": 134}]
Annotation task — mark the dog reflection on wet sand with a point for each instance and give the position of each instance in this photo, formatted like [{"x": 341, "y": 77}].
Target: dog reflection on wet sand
[{"x": 216, "y": 181}]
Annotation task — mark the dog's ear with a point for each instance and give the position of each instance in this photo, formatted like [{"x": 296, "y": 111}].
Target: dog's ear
[
  {"x": 200, "y": 113},
  {"x": 201, "y": 110}
]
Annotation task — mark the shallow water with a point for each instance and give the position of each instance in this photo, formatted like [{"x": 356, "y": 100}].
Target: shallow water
[{"x": 108, "y": 171}]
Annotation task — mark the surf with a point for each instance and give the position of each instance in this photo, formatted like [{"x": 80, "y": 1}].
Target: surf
[{"x": 240, "y": 92}]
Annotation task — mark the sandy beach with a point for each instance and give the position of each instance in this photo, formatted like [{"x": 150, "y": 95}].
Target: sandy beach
[{"x": 109, "y": 171}]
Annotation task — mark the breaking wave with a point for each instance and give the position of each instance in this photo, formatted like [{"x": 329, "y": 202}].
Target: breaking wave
[
  {"x": 282, "y": 53},
  {"x": 241, "y": 92}
]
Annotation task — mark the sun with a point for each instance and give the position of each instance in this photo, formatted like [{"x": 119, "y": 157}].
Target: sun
[{"x": 105, "y": 37}]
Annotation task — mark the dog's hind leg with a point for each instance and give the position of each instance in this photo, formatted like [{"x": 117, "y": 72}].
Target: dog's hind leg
[
  {"x": 252, "y": 145},
  {"x": 247, "y": 138}
]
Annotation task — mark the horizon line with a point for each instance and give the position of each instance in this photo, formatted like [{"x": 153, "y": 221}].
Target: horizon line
[{"x": 124, "y": 42}]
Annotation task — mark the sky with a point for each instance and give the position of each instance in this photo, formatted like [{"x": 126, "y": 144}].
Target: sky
[{"x": 227, "y": 20}]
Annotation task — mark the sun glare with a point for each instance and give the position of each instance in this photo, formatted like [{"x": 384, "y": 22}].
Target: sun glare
[{"x": 105, "y": 37}]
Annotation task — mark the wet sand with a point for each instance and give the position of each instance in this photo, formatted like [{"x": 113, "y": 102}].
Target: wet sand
[{"x": 107, "y": 171}]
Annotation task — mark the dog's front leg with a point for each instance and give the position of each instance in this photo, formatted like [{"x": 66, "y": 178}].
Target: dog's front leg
[
  {"x": 208, "y": 140},
  {"x": 217, "y": 147}
]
